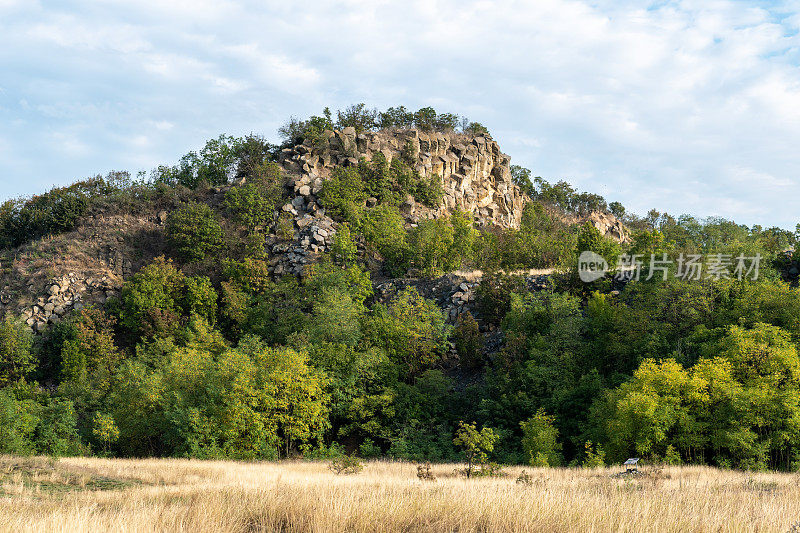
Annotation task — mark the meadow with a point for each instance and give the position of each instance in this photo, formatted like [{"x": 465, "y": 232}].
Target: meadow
[{"x": 91, "y": 494}]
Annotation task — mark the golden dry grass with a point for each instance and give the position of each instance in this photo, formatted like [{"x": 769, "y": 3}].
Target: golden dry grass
[{"x": 86, "y": 494}]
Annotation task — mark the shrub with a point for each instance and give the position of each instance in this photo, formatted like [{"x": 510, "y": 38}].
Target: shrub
[
  {"x": 385, "y": 232},
  {"x": 16, "y": 357},
  {"x": 475, "y": 444},
  {"x": 312, "y": 130},
  {"x": 396, "y": 117},
  {"x": 344, "y": 249},
  {"x": 343, "y": 194},
  {"x": 594, "y": 456},
  {"x": 494, "y": 295},
  {"x": 50, "y": 213},
  {"x": 429, "y": 191},
  {"x": 432, "y": 243},
  {"x": 424, "y": 472},
  {"x": 357, "y": 116},
  {"x": 284, "y": 227},
  {"x": 468, "y": 340},
  {"x": 540, "y": 440},
  {"x": 253, "y": 204},
  {"x": 476, "y": 128},
  {"x": 88, "y": 349},
  {"x": 411, "y": 329},
  {"x": 105, "y": 430},
  {"x": 156, "y": 286},
  {"x": 345, "y": 465},
  {"x": 193, "y": 232}
]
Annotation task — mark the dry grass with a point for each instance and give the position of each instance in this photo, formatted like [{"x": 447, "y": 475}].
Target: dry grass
[{"x": 181, "y": 495}]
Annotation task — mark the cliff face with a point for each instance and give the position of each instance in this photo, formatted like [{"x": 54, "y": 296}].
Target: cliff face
[{"x": 474, "y": 172}]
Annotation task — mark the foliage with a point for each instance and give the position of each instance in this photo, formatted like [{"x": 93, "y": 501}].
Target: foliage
[
  {"x": 476, "y": 445},
  {"x": 594, "y": 456},
  {"x": 540, "y": 440},
  {"x": 411, "y": 329},
  {"x": 194, "y": 232},
  {"x": 344, "y": 249},
  {"x": 468, "y": 340},
  {"x": 253, "y": 204},
  {"x": 343, "y": 194},
  {"x": 50, "y": 213},
  {"x": 346, "y": 465},
  {"x": 156, "y": 299},
  {"x": 494, "y": 295},
  {"x": 17, "y": 359}
]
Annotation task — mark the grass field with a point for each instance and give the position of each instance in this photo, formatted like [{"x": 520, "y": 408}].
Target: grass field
[{"x": 82, "y": 494}]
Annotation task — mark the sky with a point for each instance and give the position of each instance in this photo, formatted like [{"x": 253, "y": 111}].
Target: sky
[{"x": 686, "y": 107}]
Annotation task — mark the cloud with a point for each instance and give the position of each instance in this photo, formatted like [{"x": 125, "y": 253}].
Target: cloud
[{"x": 685, "y": 106}]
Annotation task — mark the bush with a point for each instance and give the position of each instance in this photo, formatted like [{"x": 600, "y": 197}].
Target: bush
[
  {"x": 42, "y": 426},
  {"x": 429, "y": 191},
  {"x": 311, "y": 131},
  {"x": 51, "y": 213},
  {"x": 468, "y": 340},
  {"x": 540, "y": 440},
  {"x": 594, "y": 456},
  {"x": 432, "y": 242},
  {"x": 475, "y": 444},
  {"x": 16, "y": 357},
  {"x": 357, "y": 116},
  {"x": 343, "y": 194},
  {"x": 344, "y": 249},
  {"x": 411, "y": 329},
  {"x": 253, "y": 204},
  {"x": 476, "y": 128},
  {"x": 159, "y": 299},
  {"x": 385, "y": 233},
  {"x": 346, "y": 465},
  {"x": 494, "y": 295},
  {"x": 193, "y": 232}
]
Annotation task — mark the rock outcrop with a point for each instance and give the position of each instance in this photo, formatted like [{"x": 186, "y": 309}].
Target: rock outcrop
[{"x": 475, "y": 174}]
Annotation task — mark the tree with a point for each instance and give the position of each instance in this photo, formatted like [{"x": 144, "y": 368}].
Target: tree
[
  {"x": 617, "y": 209},
  {"x": 521, "y": 176},
  {"x": 540, "y": 440},
  {"x": 193, "y": 232},
  {"x": 357, "y": 116},
  {"x": 16, "y": 356},
  {"x": 344, "y": 249},
  {"x": 411, "y": 329},
  {"x": 468, "y": 340},
  {"x": 475, "y": 444},
  {"x": 105, "y": 430}
]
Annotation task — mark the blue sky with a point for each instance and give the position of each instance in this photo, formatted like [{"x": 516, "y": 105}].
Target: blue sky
[{"x": 688, "y": 107}]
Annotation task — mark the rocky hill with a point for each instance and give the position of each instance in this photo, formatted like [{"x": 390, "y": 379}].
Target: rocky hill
[{"x": 45, "y": 279}]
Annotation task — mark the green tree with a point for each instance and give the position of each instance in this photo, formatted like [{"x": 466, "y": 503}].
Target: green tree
[
  {"x": 16, "y": 357},
  {"x": 476, "y": 445},
  {"x": 468, "y": 340},
  {"x": 194, "y": 232},
  {"x": 540, "y": 440},
  {"x": 105, "y": 430},
  {"x": 411, "y": 329},
  {"x": 344, "y": 249}
]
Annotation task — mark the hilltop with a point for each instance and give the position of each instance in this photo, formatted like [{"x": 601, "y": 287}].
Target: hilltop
[{"x": 44, "y": 279}]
